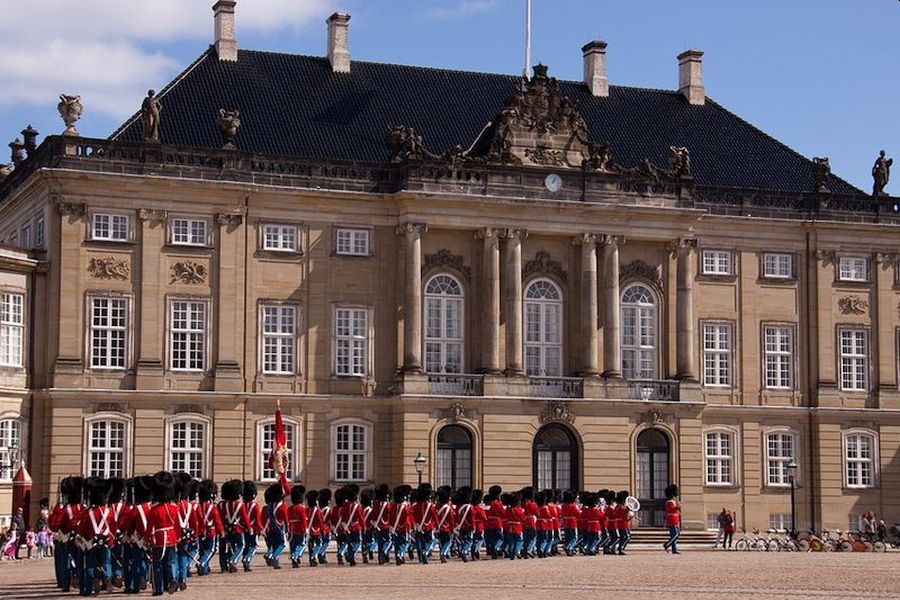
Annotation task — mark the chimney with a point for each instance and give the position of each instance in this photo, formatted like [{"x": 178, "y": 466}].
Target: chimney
[
  {"x": 690, "y": 76},
  {"x": 595, "y": 67},
  {"x": 338, "y": 42},
  {"x": 226, "y": 45}
]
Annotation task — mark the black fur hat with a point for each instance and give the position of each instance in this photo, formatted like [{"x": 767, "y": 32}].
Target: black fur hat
[
  {"x": 206, "y": 490},
  {"x": 527, "y": 493},
  {"x": 443, "y": 496},
  {"x": 365, "y": 497},
  {"x": 351, "y": 492},
  {"x": 182, "y": 480},
  {"x": 312, "y": 497},
  {"x": 540, "y": 498},
  {"x": 340, "y": 496},
  {"x": 445, "y": 488},
  {"x": 163, "y": 487},
  {"x": 382, "y": 492},
  {"x": 97, "y": 491},
  {"x": 76, "y": 489},
  {"x": 192, "y": 489},
  {"x": 610, "y": 497},
  {"x": 568, "y": 497},
  {"x": 477, "y": 496},
  {"x": 65, "y": 486},
  {"x": 401, "y": 493},
  {"x": 143, "y": 489},
  {"x": 424, "y": 492},
  {"x": 231, "y": 490},
  {"x": 671, "y": 491},
  {"x": 249, "y": 491},
  {"x": 324, "y": 498},
  {"x": 495, "y": 491},
  {"x": 116, "y": 489},
  {"x": 274, "y": 494},
  {"x": 621, "y": 497},
  {"x": 463, "y": 495},
  {"x": 297, "y": 493}
]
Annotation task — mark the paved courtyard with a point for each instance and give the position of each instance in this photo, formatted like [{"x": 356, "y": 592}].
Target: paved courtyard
[{"x": 643, "y": 574}]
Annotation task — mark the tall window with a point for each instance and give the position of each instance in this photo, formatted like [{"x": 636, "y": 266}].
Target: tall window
[
  {"x": 719, "y": 458},
  {"x": 717, "y": 348},
  {"x": 106, "y": 448},
  {"x": 109, "y": 227},
  {"x": 279, "y": 342},
  {"x": 778, "y": 266},
  {"x": 267, "y": 446},
  {"x": 444, "y": 325},
  {"x": 716, "y": 262},
  {"x": 10, "y": 435},
  {"x": 638, "y": 333},
  {"x": 187, "y": 447},
  {"x": 189, "y": 232},
  {"x": 282, "y": 238},
  {"x": 779, "y": 452},
  {"x": 543, "y": 329},
  {"x": 555, "y": 459},
  {"x": 352, "y": 242},
  {"x": 39, "y": 232},
  {"x": 351, "y": 340},
  {"x": 109, "y": 332},
  {"x": 454, "y": 457},
  {"x": 351, "y": 451},
  {"x": 854, "y": 359},
  {"x": 12, "y": 328},
  {"x": 188, "y": 335},
  {"x": 853, "y": 268},
  {"x": 779, "y": 356},
  {"x": 859, "y": 459}
]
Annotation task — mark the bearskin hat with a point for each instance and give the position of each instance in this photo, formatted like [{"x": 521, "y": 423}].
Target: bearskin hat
[
  {"x": 671, "y": 491},
  {"x": 340, "y": 496},
  {"x": 463, "y": 495},
  {"x": 249, "y": 491},
  {"x": 182, "y": 480},
  {"x": 207, "y": 490},
  {"x": 568, "y": 497},
  {"x": 97, "y": 491},
  {"x": 231, "y": 490},
  {"x": 76, "y": 488},
  {"x": 382, "y": 492},
  {"x": 443, "y": 496},
  {"x": 274, "y": 494},
  {"x": 312, "y": 497},
  {"x": 324, "y": 498},
  {"x": 193, "y": 487},
  {"x": 365, "y": 497},
  {"x": 622, "y": 496},
  {"x": 401, "y": 493},
  {"x": 297, "y": 493},
  {"x": 610, "y": 497},
  {"x": 351, "y": 492},
  {"x": 163, "y": 487},
  {"x": 445, "y": 488},
  {"x": 477, "y": 496},
  {"x": 143, "y": 489},
  {"x": 424, "y": 492},
  {"x": 116, "y": 489},
  {"x": 540, "y": 498},
  {"x": 495, "y": 491},
  {"x": 527, "y": 493}
]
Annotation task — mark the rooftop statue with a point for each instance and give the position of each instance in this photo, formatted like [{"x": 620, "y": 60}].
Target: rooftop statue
[
  {"x": 150, "y": 110},
  {"x": 70, "y": 109},
  {"x": 229, "y": 123},
  {"x": 679, "y": 162},
  {"x": 881, "y": 173},
  {"x": 821, "y": 172}
]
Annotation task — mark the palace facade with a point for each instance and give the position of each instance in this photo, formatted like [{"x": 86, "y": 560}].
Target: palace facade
[{"x": 565, "y": 284}]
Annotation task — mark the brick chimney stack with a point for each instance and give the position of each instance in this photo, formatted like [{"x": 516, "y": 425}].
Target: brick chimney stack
[
  {"x": 226, "y": 45},
  {"x": 690, "y": 76},
  {"x": 594, "y": 53},
  {"x": 339, "y": 42}
]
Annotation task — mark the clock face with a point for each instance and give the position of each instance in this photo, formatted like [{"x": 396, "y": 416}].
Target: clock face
[{"x": 553, "y": 182}]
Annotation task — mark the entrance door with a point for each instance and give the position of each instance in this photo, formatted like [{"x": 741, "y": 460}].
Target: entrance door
[
  {"x": 555, "y": 459},
  {"x": 652, "y": 476}
]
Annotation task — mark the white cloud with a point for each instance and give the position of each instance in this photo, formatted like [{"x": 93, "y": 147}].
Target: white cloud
[{"x": 460, "y": 10}]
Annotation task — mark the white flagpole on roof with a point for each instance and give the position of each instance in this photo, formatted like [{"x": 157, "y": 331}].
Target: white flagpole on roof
[{"x": 527, "y": 71}]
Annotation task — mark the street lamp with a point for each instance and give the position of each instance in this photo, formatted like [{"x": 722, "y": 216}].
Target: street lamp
[
  {"x": 12, "y": 451},
  {"x": 791, "y": 467},
  {"x": 419, "y": 461}
]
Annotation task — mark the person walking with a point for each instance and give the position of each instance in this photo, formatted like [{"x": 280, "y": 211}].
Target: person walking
[
  {"x": 728, "y": 530},
  {"x": 673, "y": 519},
  {"x": 720, "y": 534}
]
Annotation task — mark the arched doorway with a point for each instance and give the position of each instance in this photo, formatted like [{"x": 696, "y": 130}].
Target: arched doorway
[
  {"x": 454, "y": 456},
  {"x": 555, "y": 459},
  {"x": 652, "y": 476}
]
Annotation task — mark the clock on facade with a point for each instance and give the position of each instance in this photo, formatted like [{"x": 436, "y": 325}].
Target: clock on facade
[{"x": 553, "y": 182}]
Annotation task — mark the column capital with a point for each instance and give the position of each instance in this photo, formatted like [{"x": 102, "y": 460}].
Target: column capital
[
  {"x": 153, "y": 215},
  {"x": 411, "y": 227},
  {"x": 68, "y": 209},
  {"x": 230, "y": 219},
  {"x": 511, "y": 234},
  {"x": 611, "y": 239},
  {"x": 586, "y": 239},
  {"x": 487, "y": 233},
  {"x": 680, "y": 245},
  {"x": 886, "y": 259}
]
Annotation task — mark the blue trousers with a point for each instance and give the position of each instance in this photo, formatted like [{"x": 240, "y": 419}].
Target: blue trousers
[
  {"x": 321, "y": 551},
  {"x": 314, "y": 542},
  {"x": 674, "y": 534},
  {"x": 165, "y": 569},
  {"x": 369, "y": 543},
  {"x": 591, "y": 542},
  {"x": 236, "y": 541},
  {"x": 61, "y": 565},
  {"x": 354, "y": 543},
  {"x": 76, "y": 558},
  {"x": 571, "y": 540},
  {"x": 624, "y": 538},
  {"x": 514, "y": 543},
  {"x": 445, "y": 540},
  {"x": 251, "y": 544},
  {"x": 424, "y": 545},
  {"x": 401, "y": 544},
  {"x": 96, "y": 566},
  {"x": 529, "y": 541},
  {"x": 207, "y": 548},
  {"x": 187, "y": 554},
  {"x": 136, "y": 567},
  {"x": 477, "y": 541},
  {"x": 612, "y": 541},
  {"x": 276, "y": 541},
  {"x": 466, "y": 540},
  {"x": 298, "y": 545},
  {"x": 494, "y": 540},
  {"x": 117, "y": 562},
  {"x": 383, "y": 541}
]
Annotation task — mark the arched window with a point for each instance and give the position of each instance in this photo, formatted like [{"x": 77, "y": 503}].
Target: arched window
[
  {"x": 443, "y": 325},
  {"x": 188, "y": 448},
  {"x": 454, "y": 456},
  {"x": 555, "y": 459},
  {"x": 543, "y": 329},
  {"x": 106, "y": 446},
  {"x": 266, "y": 444},
  {"x": 638, "y": 333},
  {"x": 10, "y": 438}
]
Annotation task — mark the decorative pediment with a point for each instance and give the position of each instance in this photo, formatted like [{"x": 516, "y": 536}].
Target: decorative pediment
[
  {"x": 443, "y": 258},
  {"x": 113, "y": 407},
  {"x": 638, "y": 269},
  {"x": 653, "y": 416},
  {"x": 188, "y": 408},
  {"x": 542, "y": 264},
  {"x": 109, "y": 267},
  {"x": 457, "y": 412},
  {"x": 556, "y": 411},
  {"x": 852, "y": 305}
]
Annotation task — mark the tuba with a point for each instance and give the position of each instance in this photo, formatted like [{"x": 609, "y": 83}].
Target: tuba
[{"x": 633, "y": 504}]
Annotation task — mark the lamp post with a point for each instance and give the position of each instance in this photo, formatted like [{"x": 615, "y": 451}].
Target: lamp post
[
  {"x": 791, "y": 467},
  {"x": 419, "y": 461},
  {"x": 12, "y": 451}
]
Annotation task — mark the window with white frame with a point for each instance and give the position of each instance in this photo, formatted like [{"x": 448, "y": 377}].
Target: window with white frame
[
  {"x": 712, "y": 521},
  {"x": 281, "y": 238},
  {"x": 859, "y": 459},
  {"x": 266, "y": 433},
  {"x": 778, "y": 347},
  {"x": 12, "y": 329},
  {"x": 107, "y": 441},
  {"x": 351, "y": 341},
  {"x": 778, "y": 266},
  {"x": 638, "y": 333},
  {"x": 39, "y": 240},
  {"x": 543, "y": 329},
  {"x": 352, "y": 242},
  {"x": 279, "y": 341},
  {"x": 780, "y": 521},
  {"x": 716, "y": 262},
  {"x": 187, "y": 335},
  {"x": 109, "y": 333},
  {"x": 719, "y": 458},
  {"x": 779, "y": 453},
  {"x": 109, "y": 227},
  {"x": 853, "y": 268},
  {"x": 717, "y": 349},
  {"x": 189, "y": 232},
  {"x": 351, "y": 451},
  {"x": 10, "y": 436},
  {"x": 25, "y": 234},
  {"x": 443, "y": 325},
  {"x": 187, "y": 446},
  {"x": 854, "y": 359}
]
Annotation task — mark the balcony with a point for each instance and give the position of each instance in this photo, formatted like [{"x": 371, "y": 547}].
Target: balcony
[
  {"x": 556, "y": 387},
  {"x": 455, "y": 384},
  {"x": 654, "y": 390}
]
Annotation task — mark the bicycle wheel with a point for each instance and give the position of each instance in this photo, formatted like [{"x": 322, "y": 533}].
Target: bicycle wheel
[
  {"x": 760, "y": 546},
  {"x": 846, "y": 546},
  {"x": 804, "y": 546},
  {"x": 741, "y": 544},
  {"x": 879, "y": 547},
  {"x": 773, "y": 546}
]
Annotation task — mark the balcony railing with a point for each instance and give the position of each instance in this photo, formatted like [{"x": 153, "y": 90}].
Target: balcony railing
[
  {"x": 556, "y": 387},
  {"x": 654, "y": 390},
  {"x": 455, "y": 384}
]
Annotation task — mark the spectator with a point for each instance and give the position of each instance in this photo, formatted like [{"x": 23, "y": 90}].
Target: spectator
[
  {"x": 881, "y": 531},
  {"x": 44, "y": 543},
  {"x": 721, "y": 532},
  {"x": 19, "y": 521},
  {"x": 728, "y": 528},
  {"x": 10, "y": 542},
  {"x": 30, "y": 539},
  {"x": 868, "y": 522},
  {"x": 43, "y": 516}
]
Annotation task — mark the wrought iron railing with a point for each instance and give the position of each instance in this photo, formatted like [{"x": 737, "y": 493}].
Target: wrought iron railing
[
  {"x": 654, "y": 390},
  {"x": 556, "y": 387},
  {"x": 455, "y": 384}
]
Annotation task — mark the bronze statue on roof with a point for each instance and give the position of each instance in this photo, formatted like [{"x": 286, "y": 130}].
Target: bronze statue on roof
[
  {"x": 881, "y": 173},
  {"x": 150, "y": 110}
]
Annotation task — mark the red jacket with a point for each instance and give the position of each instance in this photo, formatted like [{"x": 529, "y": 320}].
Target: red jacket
[
  {"x": 401, "y": 518},
  {"x": 424, "y": 516},
  {"x": 380, "y": 516},
  {"x": 479, "y": 517},
  {"x": 593, "y": 519},
  {"x": 163, "y": 529},
  {"x": 234, "y": 516},
  {"x": 496, "y": 514},
  {"x": 465, "y": 517},
  {"x": 673, "y": 514},
  {"x": 140, "y": 515},
  {"x": 70, "y": 519},
  {"x": 531, "y": 514},
  {"x": 54, "y": 521},
  {"x": 554, "y": 511},
  {"x": 612, "y": 516},
  {"x": 316, "y": 522},
  {"x": 255, "y": 514},
  {"x": 334, "y": 521},
  {"x": 276, "y": 517},
  {"x": 298, "y": 520},
  {"x": 209, "y": 520},
  {"x": 189, "y": 517},
  {"x": 353, "y": 517},
  {"x": 327, "y": 516},
  {"x": 545, "y": 519},
  {"x": 624, "y": 518},
  {"x": 515, "y": 519},
  {"x": 98, "y": 522},
  {"x": 569, "y": 515},
  {"x": 446, "y": 518}
]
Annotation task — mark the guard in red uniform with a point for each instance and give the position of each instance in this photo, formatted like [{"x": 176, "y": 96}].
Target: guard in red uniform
[
  {"x": 324, "y": 504},
  {"x": 134, "y": 523},
  {"x": 529, "y": 534},
  {"x": 425, "y": 518},
  {"x": 298, "y": 524},
  {"x": 60, "y": 538},
  {"x": 96, "y": 532},
  {"x": 569, "y": 515},
  {"x": 592, "y": 518},
  {"x": 188, "y": 521},
  {"x": 277, "y": 522},
  {"x": 316, "y": 526},
  {"x": 612, "y": 523},
  {"x": 162, "y": 534},
  {"x": 236, "y": 522},
  {"x": 544, "y": 524},
  {"x": 446, "y": 523},
  {"x": 625, "y": 517},
  {"x": 401, "y": 523},
  {"x": 379, "y": 522},
  {"x": 673, "y": 519},
  {"x": 354, "y": 522},
  {"x": 479, "y": 518},
  {"x": 256, "y": 526},
  {"x": 514, "y": 525},
  {"x": 496, "y": 513},
  {"x": 119, "y": 508},
  {"x": 210, "y": 522},
  {"x": 464, "y": 531}
]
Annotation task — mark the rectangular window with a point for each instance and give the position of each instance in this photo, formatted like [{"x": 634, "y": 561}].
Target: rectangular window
[
  {"x": 780, "y": 521},
  {"x": 779, "y": 452},
  {"x": 189, "y": 232},
  {"x": 39, "y": 232},
  {"x": 188, "y": 448},
  {"x": 712, "y": 521},
  {"x": 717, "y": 348},
  {"x": 351, "y": 339},
  {"x": 25, "y": 233},
  {"x": 281, "y": 238},
  {"x": 350, "y": 453},
  {"x": 854, "y": 359},
  {"x": 109, "y": 332},
  {"x": 109, "y": 227},
  {"x": 10, "y": 436},
  {"x": 778, "y": 266},
  {"x": 779, "y": 357},
  {"x": 12, "y": 329},
  {"x": 853, "y": 268},
  {"x": 106, "y": 449},
  {"x": 279, "y": 339},
  {"x": 716, "y": 262},
  {"x": 719, "y": 458},
  {"x": 859, "y": 460},
  {"x": 188, "y": 335},
  {"x": 352, "y": 242},
  {"x": 267, "y": 446}
]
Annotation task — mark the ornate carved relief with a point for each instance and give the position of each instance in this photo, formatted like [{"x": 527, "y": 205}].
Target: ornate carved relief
[
  {"x": 231, "y": 219},
  {"x": 443, "y": 258},
  {"x": 153, "y": 215},
  {"x": 109, "y": 267},
  {"x": 586, "y": 238},
  {"x": 542, "y": 264},
  {"x": 682, "y": 245},
  {"x": 638, "y": 269},
  {"x": 457, "y": 412},
  {"x": 556, "y": 411},
  {"x": 71, "y": 209},
  {"x": 189, "y": 272},
  {"x": 826, "y": 256},
  {"x": 115, "y": 407},
  {"x": 853, "y": 305},
  {"x": 188, "y": 408},
  {"x": 653, "y": 416},
  {"x": 544, "y": 156},
  {"x": 410, "y": 227}
]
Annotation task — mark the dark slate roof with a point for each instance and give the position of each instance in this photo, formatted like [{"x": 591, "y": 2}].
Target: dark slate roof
[{"x": 296, "y": 106}]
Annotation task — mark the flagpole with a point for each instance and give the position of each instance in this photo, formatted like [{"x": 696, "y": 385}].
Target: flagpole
[{"x": 527, "y": 71}]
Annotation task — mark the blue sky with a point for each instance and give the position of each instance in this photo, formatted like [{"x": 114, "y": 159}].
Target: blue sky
[{"x": 819, "y": 75}]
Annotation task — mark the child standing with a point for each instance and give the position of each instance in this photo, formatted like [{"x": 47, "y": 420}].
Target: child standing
[
  {"x": 44, "y": 543},
  {"x": 29, "y": 541},
  {"x": 9, "y": 543}
]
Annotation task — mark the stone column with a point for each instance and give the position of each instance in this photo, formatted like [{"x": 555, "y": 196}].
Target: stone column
[
  {"x": 612, "y": 314},
  {"x": 590, "y": 356},
  {"x": 412, "y": 303},
  {"x": 512, "y": 294},
  {"x": 490, "y": 314},
  {"x": 684, "y": 309}
]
